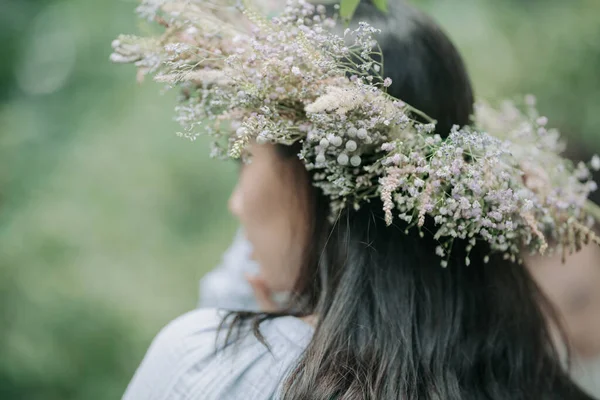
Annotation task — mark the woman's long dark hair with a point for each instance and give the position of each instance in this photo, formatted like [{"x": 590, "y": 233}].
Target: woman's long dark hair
[{"x": 392, "y": 323}]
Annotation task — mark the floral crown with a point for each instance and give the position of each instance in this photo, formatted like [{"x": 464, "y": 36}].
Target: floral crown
[{"x": 244, "y": 78}]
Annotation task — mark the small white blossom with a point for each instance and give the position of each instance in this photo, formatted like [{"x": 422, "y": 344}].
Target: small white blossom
[
  {"x": 336, "y": 141},
  {"x": 595, "y": 163},
  {"x": 342, "y": 159},
  {"x": 351, "y": 145}
]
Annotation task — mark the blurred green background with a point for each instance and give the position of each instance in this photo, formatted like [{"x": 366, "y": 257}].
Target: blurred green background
[{"x": 108, "y": 220}]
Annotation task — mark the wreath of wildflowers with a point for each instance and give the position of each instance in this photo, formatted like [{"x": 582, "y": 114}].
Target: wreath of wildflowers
[{"x": 244, "y": 79}]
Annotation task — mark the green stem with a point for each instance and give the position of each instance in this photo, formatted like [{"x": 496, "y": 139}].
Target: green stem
[
  {"x": 421, "y": 114},
  {"x": 414, "y": 110}
]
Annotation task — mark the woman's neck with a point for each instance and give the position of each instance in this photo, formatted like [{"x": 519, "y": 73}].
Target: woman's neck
[{"x": 310, "y": 319}]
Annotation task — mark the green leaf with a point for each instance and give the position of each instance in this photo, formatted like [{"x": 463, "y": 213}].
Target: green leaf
[
  {"x": 381, "y": 4},
  {"x": 347, "y": 8}
]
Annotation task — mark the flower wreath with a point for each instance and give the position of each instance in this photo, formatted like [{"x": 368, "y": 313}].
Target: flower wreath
[{"x": 245, "y": 78}]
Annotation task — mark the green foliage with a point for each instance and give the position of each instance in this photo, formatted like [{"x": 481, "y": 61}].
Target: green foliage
[
  {"x": 381, "y": 4},
  {"x": 348, "y": 7},
  {"x": 548, "y": 48},
  {"x": 107, "y": 219}
]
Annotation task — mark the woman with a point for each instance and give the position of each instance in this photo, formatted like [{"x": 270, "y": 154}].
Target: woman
[
  {"x": 371, "y": 315},
  {"x": 573, "y": 290}
]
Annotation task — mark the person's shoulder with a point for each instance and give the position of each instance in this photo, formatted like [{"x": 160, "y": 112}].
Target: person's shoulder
[
  {"x": 211, "y": 325},
  {"x": 189, "y": 357},
  {"x": 206, "y": 330},
  {"x": 202, "y": 322},
  {"x": 181, "y": 344}
]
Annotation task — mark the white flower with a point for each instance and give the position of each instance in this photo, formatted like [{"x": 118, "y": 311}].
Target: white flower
[
  {"x": 336, "y": 141},
  {"x": 340, "y": 100},
  {"x": 351, "y": 145},
  {"x": 261, "y": 139},
  {"x": 595, "y": 163},
  {"x": 388, "y": 146},
  {"x": 342, "y": 159}
]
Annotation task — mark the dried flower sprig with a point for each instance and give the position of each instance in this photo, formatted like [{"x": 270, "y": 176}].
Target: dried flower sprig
[{"x": 244, "y": 78}]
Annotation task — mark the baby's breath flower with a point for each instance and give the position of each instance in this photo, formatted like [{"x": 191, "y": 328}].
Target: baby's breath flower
[
  {"x": 342, "y": 159},
  {"x": 351, "y": 145},
  {"x": 355, "y": 160},
  {"x": 336, "y": 141}
]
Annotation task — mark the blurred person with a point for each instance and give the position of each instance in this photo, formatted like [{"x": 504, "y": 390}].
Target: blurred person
[
  {"x": 371, "y": 313},
  {"x": 573, "y": 286},
  {"x": 228, "y": 285},
  {"x": 236, "y": 283}
]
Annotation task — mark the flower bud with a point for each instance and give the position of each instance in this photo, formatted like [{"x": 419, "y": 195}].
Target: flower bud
[{"x": 351, "y": 145}]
